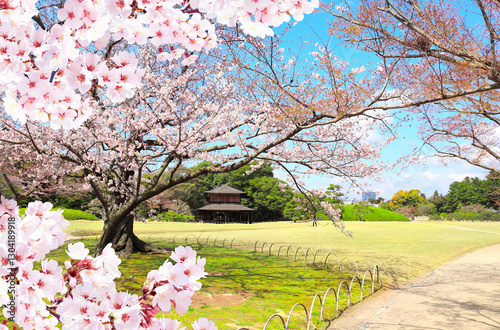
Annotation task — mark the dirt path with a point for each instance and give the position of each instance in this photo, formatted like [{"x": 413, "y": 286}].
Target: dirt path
[
  {"x": 71, "y": 237},
  {"x": 472, "y": 229},
  {"x": 461, "y": 294}
]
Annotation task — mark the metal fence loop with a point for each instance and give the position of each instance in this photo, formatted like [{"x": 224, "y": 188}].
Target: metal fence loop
[
  {"x": 291, "y": 312},
  {"x": 173, "y": 239},
  {"x": 318, "y": 300},
  {"x": 275, "y": 316},
  {"x": 270, "y": 246},
  {"x": 338, "y": 260}
]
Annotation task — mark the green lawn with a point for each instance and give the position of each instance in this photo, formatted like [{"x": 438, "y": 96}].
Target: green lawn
[
  {"x": 403, "y": 250},
  {"x": 243, "y": 288}
]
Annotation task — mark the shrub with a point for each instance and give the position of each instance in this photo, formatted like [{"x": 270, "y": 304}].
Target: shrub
[
  {"x": 425, "y": 209},
  {"x": 475, "y": 208},
  {"x": 385, "y": 206},
  {"x": 483, "y": 216},
  {"x": 407, "y": 211},
  {"x": 94, "y": 207},
  {"x": 434, "y": 217},
  {"x": 174, "y": 217}
]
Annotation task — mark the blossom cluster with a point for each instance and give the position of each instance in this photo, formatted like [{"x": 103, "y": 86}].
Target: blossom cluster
[
  {"x": 82, "y": 294},
  {"x": 49, "y": 71}
]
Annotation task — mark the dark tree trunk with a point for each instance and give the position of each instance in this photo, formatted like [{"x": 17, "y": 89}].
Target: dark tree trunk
[{"x": 124, "y": 241}]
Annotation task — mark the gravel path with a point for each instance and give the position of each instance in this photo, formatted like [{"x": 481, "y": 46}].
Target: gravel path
[{"x": 461, "y": 294}]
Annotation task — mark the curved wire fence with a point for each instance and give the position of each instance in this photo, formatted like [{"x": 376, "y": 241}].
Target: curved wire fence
[
  {"x": 318, "y": 258},
  {"x": 321, "y": 301}
]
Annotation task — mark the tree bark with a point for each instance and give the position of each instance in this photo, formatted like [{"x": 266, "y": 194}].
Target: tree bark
[{"x": 124, "y": 241}]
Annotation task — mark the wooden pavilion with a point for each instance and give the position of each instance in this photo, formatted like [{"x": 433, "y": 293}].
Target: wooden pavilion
[{"x": 224, "y": 205}]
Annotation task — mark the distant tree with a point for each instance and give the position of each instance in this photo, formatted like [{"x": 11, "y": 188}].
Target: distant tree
[
  {"x": 407, "y": 211},
  {"x": 385, "y": 206},
  {"x": 494, "y": 177},
  {"x": 376, "y": 200},
  {"x": 425, "y": 209},
  {"x": 476, "y": 208},
  {"x": 411, "y": 198},
  {"x": 334, "y": 194},
  {"x": 302, "y": 207},
  {"x": 268, "y": 196},
  {"x": 469, "y": 191},
  {"x": 240, "y": 178},
  {"x": 437, "y": 202},
  {"x": 237, "y": 179}
]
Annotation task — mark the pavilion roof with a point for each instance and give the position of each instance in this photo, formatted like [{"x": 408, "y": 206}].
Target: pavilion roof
[
  {"x": 225, "y": 189},
  {"x": 224, "y": 207}
]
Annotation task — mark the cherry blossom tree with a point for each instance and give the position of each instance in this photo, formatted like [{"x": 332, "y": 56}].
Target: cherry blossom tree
[
  {"x": 121, "y": 94},
  {"x": 130, "y": 153},
  {"x": 441, "y": 60},
  {"x": 124, "y": 109}
]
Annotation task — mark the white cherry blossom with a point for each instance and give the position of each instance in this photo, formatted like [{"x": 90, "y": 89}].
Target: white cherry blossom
[{"x": 77, "y": 251}]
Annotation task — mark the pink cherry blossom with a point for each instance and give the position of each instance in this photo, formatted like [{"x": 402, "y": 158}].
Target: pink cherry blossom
[
  {"x": 78, "y": 27},
  {"x": 83, "y": 294},
  {"x": 164, "y": 296},
  {"x": 204, "y": 324},
  {"x": 9, "y": 206},
  {"x": 181, "y": 254},
  {"x": 167, "y": 324},
  {"x": 72, "y": 15},
  {"x": 77, "y": 251}
]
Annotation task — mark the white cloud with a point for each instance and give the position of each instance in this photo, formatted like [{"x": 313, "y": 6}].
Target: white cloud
[
  {"x": 431, "y": 176},
  {"x": 461, "y": 176},
  {"x": 425, "y": 177}
]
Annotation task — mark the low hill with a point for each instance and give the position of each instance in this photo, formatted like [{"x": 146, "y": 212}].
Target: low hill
[{"x": 350, "y": 213}]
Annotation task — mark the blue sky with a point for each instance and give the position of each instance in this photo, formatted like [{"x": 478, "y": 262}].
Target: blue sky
[{"x": 428, "y": 176}]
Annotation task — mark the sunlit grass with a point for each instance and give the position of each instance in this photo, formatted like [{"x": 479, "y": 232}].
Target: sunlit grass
[
  {"x": 255, "y": 285},
  {"x": 402, "y": 250},
  {"x": 244, "y": 288}
]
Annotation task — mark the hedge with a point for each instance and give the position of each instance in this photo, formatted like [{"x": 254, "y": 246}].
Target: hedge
[
  {"x": 462, "y": 216},
  {"x": 69, "y": 214},
  {"x": 174, "y": 217}
]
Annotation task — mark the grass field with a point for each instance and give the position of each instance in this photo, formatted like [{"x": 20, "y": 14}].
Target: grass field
[
  {"x": 402, "y": 250},
  {"x": 244, "y": 288}
]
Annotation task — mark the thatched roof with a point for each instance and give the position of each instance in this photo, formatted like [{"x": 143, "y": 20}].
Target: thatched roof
[
  {"x": 225, "y": 189},
  {"x": 224, "y": 207}
]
